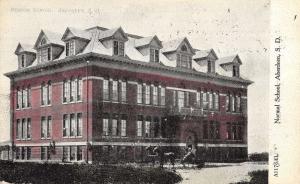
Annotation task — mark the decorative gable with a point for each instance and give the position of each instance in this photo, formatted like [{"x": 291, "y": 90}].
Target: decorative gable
[
  {"x": 206, "y": 59},
  {"x": 49, "y": 46},
  {"x": 231, "y": 64},
  {"x": 114, "y": 40},
  {"x": 75, "y": 40},
  {"x": 26, "y": 55},
  {"x": 180, "y": 51}
]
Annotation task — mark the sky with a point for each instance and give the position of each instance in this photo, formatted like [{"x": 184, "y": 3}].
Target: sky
[{"x": 229, "y": 27}]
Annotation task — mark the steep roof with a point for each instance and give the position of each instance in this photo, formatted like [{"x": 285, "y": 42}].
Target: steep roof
[
  {"x": 24, "y": 48},
  {"x": 146, "y": 41},
  {"x": 199, "y": 54},
  {"x": 228, "y": 60},
  {"x": 52, "y": 37},
  {"x": 110, "y": 33},
  {"x": 77, "y": 33},
  {"x": 171, "y": 46}
]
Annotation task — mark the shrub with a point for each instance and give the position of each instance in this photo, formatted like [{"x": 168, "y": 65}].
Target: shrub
[
  {"x": 259, "y": 156},
  {"x": 81, "y": 173}
]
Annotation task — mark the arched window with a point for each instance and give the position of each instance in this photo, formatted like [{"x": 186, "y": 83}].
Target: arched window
[
  {"x": 183, "y": 48},
  {"x": 43, "y": 41}
]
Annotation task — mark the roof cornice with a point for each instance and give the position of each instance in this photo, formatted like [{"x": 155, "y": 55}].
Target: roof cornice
[{"x": 84, "y": 57}]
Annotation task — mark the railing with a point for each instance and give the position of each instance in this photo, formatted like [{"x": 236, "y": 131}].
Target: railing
[{"x": 186, "y": 111}]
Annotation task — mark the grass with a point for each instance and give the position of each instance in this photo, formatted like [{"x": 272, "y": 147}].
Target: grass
[
  {"x": 257, "y": 177},
  {"x": 15, "y": 172}
]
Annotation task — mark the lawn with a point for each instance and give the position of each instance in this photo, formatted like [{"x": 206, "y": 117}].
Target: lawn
[{"x": 15, "y": 172}]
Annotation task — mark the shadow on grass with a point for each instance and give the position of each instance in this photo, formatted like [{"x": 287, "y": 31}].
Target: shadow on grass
[
  {"x": 257, "y": 177},
  {"x": 15, "y": 172}
]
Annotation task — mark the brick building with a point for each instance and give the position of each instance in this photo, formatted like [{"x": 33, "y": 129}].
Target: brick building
[{"x": 102, "y": 94}]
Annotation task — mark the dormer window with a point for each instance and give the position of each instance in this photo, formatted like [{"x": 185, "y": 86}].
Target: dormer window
[
  {"x": 23, "y": 61},
  {"x": 184, "y": 61},
  {"x": 209, "y": 67},
  {"x": 43, "y": 42},
  {"x": 184, "y": 48},
  {"x": 44, "y": 54},
  {"x": 70, "y": 48},
  {"x": 235, "y": 71},
  {"x": 154, "y": 55},
  {"x": 118, "y": 49}
]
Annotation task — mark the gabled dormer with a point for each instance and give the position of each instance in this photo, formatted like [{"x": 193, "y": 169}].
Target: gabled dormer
[
  {"x": 179, "y": 51},
  {"x": 149, "y": 47},
  {"x": 206, "y": 59},
  {"x": 26, "y": 55},
  {"x": 48, "y": 46},
  {"x": 114, "y": 40},
  {"x": 75, "y": 40},
  {"x": 231, "y": 64}
]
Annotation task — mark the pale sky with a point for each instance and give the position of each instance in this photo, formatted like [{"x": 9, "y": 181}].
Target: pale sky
[{"x": 229, "y": 27}]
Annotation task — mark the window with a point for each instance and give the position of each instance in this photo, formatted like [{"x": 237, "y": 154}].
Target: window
[
  {"x": 72, "y": 153},
  {"x": 72, "y": 89},
  {"x": 43, "y": 128},
  {"x": 205, "y": 100},
  {"x": 28, "y": 96},
  {"x": 65, "y": 91},
  {"x": 28, "y": 136},
  {"x": 49, "y": 53},
  {"x": 123, "y": 91},
  {"x": 210, "y": 102},
  {"x": 105, "y": 89},
  {"x": 227, "y": 100},
  {"x": 155, "y": 95},
  {"x": 66, "y": 153},
  {"x": 147, "y": 126},
  {"x": 66, "y": 128},
  {"x": 19, "y": 129},
  {"x": 139, "y": 124},
  {"x": 232, "y": 101},
  {"x": 24, "y": 128},
  {"x": 147, "y": 94},
  {"x": 46, "y": 127},
  {"x": 44, "y": 153},
  {"x": 238, "y": 103},
  {"x": 115, "y": 90},
  {"x": 105, "y": 125},
  {"x": 118, "y": 48},
  {"x": 19, "y": 98},
  {"x": 123, "y": 126},
  {"x": 139, "y": 93},
  {"x": 114, "y": 130},
  {"x": 183, "y": 48},
  {"x": 186, "y": 99},
  {"x": 72, "y": 125},
  {"x": 198, "y": 100},
  {"x": 70, "y": 48},
  {"x": 49, "y": 93},
  {"x": 184, "y": 61},
  {"x": 180, "y": 97},
  {"x": 28, "y": 153},
  {"x": 216, "y": 101},
  {"x": 228, "y": 131},
  {"x": 79, "y": 153},
  {"x": 162, "y": 96},
  {"x": 235, "y": 71},
  {"x": 24, "y": 98},
  {"x": 23, "y": 153},
  {"x": 22, "y": 60},
  {"x": 46, "y": 93},
  {"x": 79, "y": 89},
  {"x": 79, "y": 124},
  {"x": 209, "y": 66},
  {"x": 154, "y": 55}
]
